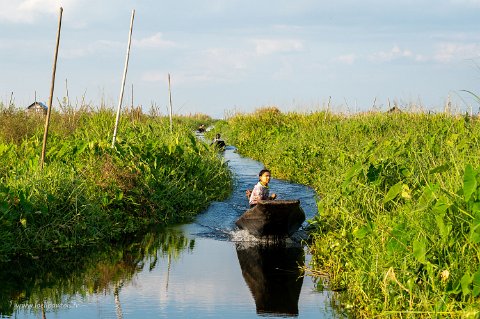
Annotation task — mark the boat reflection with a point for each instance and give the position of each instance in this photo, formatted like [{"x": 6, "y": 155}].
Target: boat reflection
[{"x": 272, "y": 272}]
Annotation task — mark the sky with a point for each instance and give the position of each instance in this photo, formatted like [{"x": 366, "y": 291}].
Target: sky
[{"x": 230, "y": 56}]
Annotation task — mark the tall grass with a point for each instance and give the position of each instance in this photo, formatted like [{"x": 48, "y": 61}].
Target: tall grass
[
  {"x": 399, "y": 210},
  {"x": 89, "y": 192}
]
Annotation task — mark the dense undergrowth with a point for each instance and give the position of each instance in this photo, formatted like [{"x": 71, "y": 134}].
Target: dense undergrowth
[
  {"x": 89, "y": 192},
  {"x": 398, "y": 228}
]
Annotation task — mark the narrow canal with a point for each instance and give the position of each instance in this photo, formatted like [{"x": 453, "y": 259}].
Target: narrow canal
[{"x": 206, "y": 269}]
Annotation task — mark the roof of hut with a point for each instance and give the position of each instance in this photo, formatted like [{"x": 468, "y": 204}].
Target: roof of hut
[{"x": 37, "y": 105}]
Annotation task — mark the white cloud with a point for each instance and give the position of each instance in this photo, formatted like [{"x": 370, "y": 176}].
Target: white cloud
[
  {"x": 346, "y": 59},
  {"x": 448, "y": 52},
  {"x": 97, "y": 47},
  {"x": 212, "y": 65},
  {"x": 272, "y": 46},
  {"x": 28, "y": 11},
  {"x": 397, "y": 53},
  {"x": 155, "y": 41},
  {"x": 394, "y": 53}
]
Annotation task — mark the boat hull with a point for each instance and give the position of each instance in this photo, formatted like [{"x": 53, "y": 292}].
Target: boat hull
[{"x": 272, "y": 218}]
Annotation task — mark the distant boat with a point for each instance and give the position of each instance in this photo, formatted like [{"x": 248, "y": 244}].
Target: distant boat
[
  {"x": 219, "y": 144},
  {"x": 272, "y": 218}
]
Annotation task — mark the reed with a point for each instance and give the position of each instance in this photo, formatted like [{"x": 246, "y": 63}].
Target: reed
[
  {"x": 398, "y": 223},
  {"x": 89, "y": 192}
]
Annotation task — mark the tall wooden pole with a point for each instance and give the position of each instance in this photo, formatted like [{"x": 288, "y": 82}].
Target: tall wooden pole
[
  {"x": 120, "y": 99},
  {"x": 49, "y": 110},
  {"x": 170, "y": 103},
  {"x": 66, "y": 89}
]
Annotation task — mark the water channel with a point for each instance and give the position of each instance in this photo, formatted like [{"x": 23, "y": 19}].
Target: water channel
[{"x": 205, "y": 269}]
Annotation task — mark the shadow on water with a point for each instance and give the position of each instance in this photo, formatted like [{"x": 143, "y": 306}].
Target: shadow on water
[{"x": 273, "y": 276}]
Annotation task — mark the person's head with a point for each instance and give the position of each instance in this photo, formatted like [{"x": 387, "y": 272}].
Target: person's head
[
  {"x": 217, "y": 135},
  {"x": 264, "y": 176}
]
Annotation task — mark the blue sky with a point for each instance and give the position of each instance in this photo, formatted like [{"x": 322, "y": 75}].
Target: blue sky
[{"x": 235, "y": 56}]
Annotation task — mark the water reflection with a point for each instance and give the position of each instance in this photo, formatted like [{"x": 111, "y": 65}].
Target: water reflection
[
  {"x": 272, "y": 273},
  {"x": 54, "y": 280},
  {"x": 187, "y": 271}
]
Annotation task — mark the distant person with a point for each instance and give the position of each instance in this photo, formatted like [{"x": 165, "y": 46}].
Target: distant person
[
  {"x": 201, "y": 128},
  {"x": 218, "y": 141},
  {"x": 261, "y": 191}
]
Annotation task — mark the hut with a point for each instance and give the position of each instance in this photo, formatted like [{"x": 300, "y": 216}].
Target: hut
[
  {"x": 394, "y": 109},
  {"x": 37, "y": 107}
]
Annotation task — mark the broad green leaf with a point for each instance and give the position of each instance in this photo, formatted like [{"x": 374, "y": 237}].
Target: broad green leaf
[
  {"x": 469, "y": 182},
  {"x": 393, "y": 192},
  {"x": 355, "y": 170},
  {"x": 465, "y": 282},
  {"x": 476, "y": 207},
  {"x": 476, "y": 283},
  {"x": 361, "y": 232},
  {"x": 420, "y": 250},
  {"x": 441, "y": 206},
  {"x": 443, "y": 229},
  {"x": 474, "y": 233},
  {"x": 426, "y": 198}
]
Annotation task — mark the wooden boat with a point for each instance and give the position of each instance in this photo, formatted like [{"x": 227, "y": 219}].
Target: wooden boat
[
  {"x": 219, "y": 144},
  {"x": 272, "y": 218}
]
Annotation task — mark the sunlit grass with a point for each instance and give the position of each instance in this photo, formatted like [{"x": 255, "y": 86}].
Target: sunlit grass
[
  {"x": 399, "y": 205},
  {"x": 90, "y": 192}
]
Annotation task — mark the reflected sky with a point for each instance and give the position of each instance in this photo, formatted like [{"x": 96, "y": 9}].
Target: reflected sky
[{"x": 206, "y": 282}]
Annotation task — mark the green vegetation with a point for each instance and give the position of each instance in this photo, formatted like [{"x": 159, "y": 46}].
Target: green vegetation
[
  {"x": 398, "y": 229},
  {"x": 89, "y": 192}
]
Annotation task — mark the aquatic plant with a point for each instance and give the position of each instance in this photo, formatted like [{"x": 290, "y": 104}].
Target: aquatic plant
[
  {"x": 398, "y": 223},
  {"x": 89, "y": 192}
]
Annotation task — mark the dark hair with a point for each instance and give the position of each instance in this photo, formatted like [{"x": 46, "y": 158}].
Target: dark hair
[
  {"x": 217, "y": 135},
  {"x": 263, "y": 171}
]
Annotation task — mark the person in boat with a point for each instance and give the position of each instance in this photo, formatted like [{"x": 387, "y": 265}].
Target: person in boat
[
  {"x": 261, "y": 191},
  {"x": 201, "y": 128},
  {"x": 218, "y": 141}
]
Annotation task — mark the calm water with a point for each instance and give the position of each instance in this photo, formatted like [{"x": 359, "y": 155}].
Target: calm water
[{"x": 206, "y": 269}]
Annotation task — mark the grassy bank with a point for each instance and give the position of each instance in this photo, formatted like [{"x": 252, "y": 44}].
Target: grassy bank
[
  {"x": 89, "y": 192},
  {"x": 398, "y": 229}
]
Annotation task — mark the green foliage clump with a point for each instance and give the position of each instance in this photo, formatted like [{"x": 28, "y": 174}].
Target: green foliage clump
[
  {"x": 90, "y": 192},
  {"x": 398, "y": 227}
]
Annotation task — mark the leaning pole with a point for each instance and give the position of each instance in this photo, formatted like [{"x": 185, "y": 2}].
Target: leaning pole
[
  {"x": 120, "y": 99},
  {"x": 47, "y": 120}
]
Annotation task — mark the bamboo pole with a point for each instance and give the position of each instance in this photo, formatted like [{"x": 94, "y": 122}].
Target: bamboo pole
[
  {"x": 66, "y": 89},
  {"x": 123, "y": 80},
  {"x": 170, "y": 103},
  {"x": 49, "y": 110}
]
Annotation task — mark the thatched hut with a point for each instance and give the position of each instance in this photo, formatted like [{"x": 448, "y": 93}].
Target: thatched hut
[{"x": 37, "y": 107}]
